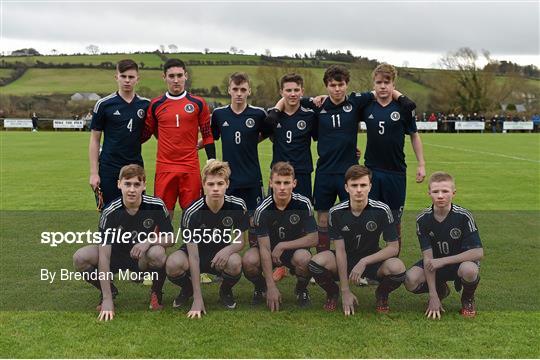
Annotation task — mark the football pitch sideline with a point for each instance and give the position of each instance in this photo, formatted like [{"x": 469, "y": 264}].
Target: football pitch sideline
[{"x": 44, "y": 187}]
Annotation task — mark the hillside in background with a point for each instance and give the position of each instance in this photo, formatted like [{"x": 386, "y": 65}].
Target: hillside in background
[{"x": 47, "y": 82}]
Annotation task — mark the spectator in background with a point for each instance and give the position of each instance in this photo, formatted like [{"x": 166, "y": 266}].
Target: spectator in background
[
  {"x": 424, "y": 116},
  {"x": 493, "y": 123},
  {"x": 34, "y": 122},
  {"x": 536, "y": 121},
  {"x": 432, "y": 118}
]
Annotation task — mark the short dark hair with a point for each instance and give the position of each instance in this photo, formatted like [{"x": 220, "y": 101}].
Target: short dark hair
[
  {"x": 295, "y": 78},
  {"x": 126, "y": 64},
  {"x": 238, "y": 78},
  {"x": 356, "y": 172},
  {"x": 173, "y": 63},
  {"x": 337, "y": 73}
]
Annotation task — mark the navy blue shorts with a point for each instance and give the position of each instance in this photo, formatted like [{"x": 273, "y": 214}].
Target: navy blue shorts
[
  {"x": 390, "y": 188},
  {"x": 123, "y": 262},
  {"x": 327, "y": 188},
  {"x": 109, "y": 187},
  {"x": 370, "y": 271},
  {"x": 205, "y": 259},
  {"x": 446, "y": 273},
  {"x": 251, "y": 195},
  {"x": 303, "y": 185}
]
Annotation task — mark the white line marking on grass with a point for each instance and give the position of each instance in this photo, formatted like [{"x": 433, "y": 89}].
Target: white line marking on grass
[{"x": 483, "y": 152}]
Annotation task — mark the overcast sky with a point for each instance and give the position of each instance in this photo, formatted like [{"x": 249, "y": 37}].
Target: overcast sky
[{"x": 418, "y": 32}]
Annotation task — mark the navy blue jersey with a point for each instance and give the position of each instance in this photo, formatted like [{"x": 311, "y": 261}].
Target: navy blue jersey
[
  {"x": 361, "y": 233},
  {"x": 292, "y": 139},
  {"x": 152, "y": 212},
  {"x": 122, "y": 124},
  {"x": 455, "y": 234},
  {"x": 232, "y": 215},
  {"x": 337, "y": 131},
  {"x": 292, "y": 223},
  {"x": 239, "y": 135},
  {"x": 386, "y": 130}
]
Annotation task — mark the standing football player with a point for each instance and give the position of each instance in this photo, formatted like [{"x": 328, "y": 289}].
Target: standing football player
[
  {"x": 175, "y": 119},
  {"x": 120, "y": 118},
  {"x": 338, "y": 124},
  {"x": 293, "y": 127},
  {"x": 138, "y": 216},
  {"x": 387, "y": 123},
  {"x": 355, "y": 228},
  {"x": 286, "y": 230},
  {"x": 241, "y": 127},
  {"x": 212, "y": 228},
  {"x": 451, "y": 250}
]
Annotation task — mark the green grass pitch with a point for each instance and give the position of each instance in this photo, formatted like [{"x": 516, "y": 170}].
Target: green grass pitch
[{"x": 44, "y": 188}]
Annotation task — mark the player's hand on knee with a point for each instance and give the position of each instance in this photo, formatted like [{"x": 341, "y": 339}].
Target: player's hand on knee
[
  {"x": 273, "y": 299},
  {"x": 348, "y": 301},
  {"x": 220, "y": 260},
  {"x": 434, "y": 308},
  {"x": 276, "y": 254},
  {"x": 138, "y": 250},
  {"x": 107, "y": 311},
  {"x": 356, "y": 272}
]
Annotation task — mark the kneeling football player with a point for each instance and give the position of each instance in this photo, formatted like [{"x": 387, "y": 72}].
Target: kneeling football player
[
  {"x": 355, "y": 227},
  {"x": 213, "y": 229},
  {"x": 451, "y": 250},
  {"x": 126, "y": 226},
  {"x": 286, "y": 230}
]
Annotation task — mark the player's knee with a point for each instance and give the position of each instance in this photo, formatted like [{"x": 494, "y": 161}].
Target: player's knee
[
  {"x": 234, "y": 264},
  {"x": 413, "y": 278},
  {"x": 395, "y": 266},
  {"x": 468, "y": 271},
  {"x": 156, "y": 257},
  {"x": 250, "y": 260},
  {"x": 82, "y": 259},
  {"x": 301, "y": 258},
  {"x": 322, "y": 219},
  {"x": 323, "y": 258},
  {"x": 176, "y": 266}
]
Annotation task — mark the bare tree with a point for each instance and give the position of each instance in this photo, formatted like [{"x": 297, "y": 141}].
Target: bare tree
[
  {"x": 92, "y": 49},
  {"x": 162, "y": 48},
  {"x": 233, "y": 49},
  {"x": 206, "y": 50},
  {"x": 173, "y": 48},
  {"x": 267, "y": 52},
  {"x": 470, "y": 88},
  {"x": 54, "y": 52}
]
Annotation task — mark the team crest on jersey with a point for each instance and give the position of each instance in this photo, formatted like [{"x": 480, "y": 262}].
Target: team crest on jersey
[
  {"x": 301, "y": 125},
  {"x": 455, "y": 233},
  {"x": 227, "y": 221},
  {"x": 147, "y": 223},
  {"x": 395, "y": 116},
  {"x": 250, "y": 122},
  {"x": 347, "y": 108},
  {"x": 140, "y": 113},
  {"x": 371, "y": 226},
  {"x": 294, "y": 219},
  {"x": 189, "y": 108}
]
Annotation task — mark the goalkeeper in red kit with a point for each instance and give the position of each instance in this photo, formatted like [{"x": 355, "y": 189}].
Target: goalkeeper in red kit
[{"x": 175, "y": 119}]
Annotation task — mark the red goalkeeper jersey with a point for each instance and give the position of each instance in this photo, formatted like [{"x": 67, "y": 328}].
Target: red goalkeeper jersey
[{"x": 175, "y": 121}]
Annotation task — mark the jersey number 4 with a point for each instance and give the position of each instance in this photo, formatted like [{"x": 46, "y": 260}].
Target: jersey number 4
[{"x": 130, "y": 125}]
